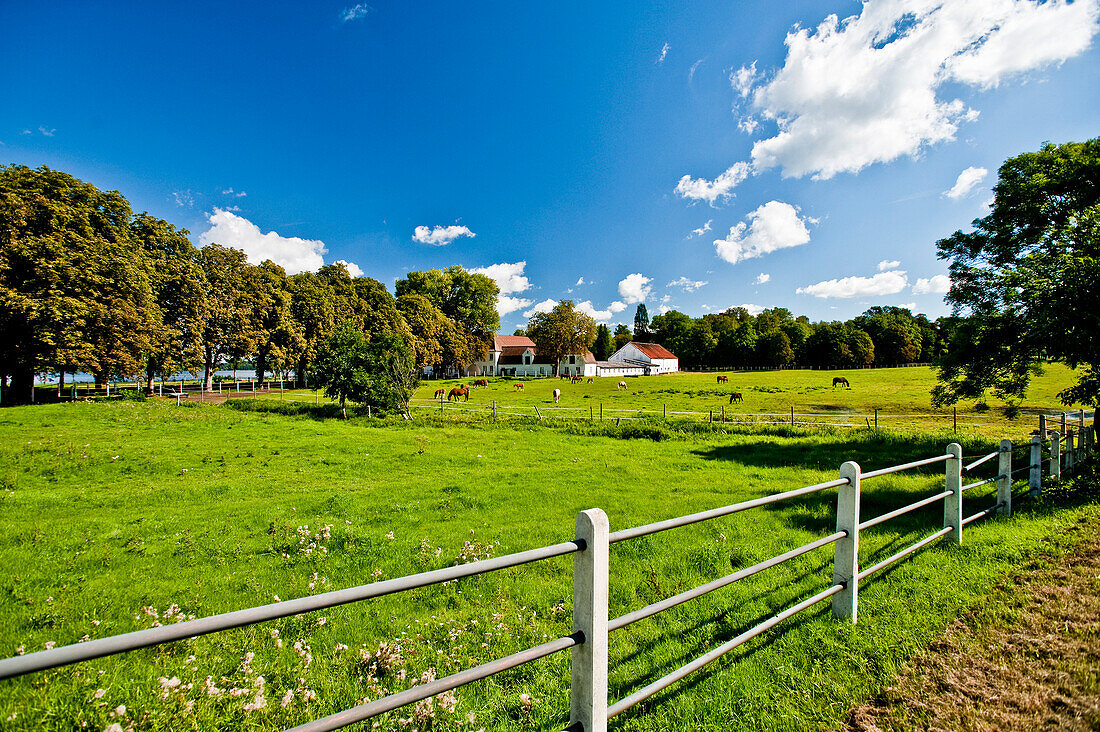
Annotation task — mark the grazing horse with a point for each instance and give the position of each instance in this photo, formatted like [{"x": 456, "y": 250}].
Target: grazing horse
[
  {"x": 622, "y": 386},
  {"x": 736, "y": 397},
  {"x": 576, "y": 379},
  {"x": 439, "y": 393},
  {"x": 481, "y": 382},
  {"x": 723, "y": 379},
  {"x": 557, "y": 395},
  {"x": 589, "y": 379},
  {"x": 459, "y": 391},
  {"x": 563, "y": 376},
  {"x": 841, "y": 380},
  {"x": 518, "y": 387}
]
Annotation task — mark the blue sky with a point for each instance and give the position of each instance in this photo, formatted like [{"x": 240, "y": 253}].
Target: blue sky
[{"x": 818, "y": 149}]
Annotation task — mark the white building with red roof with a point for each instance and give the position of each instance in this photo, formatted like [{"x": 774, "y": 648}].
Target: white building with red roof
[
  {"x": 512, "y": 356},
  {"x": 652, "y": 357}
]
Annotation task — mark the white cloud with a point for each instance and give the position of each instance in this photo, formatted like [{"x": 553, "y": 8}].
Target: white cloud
[
  {"x": 773, "y": 226},
  {"x": 662, "y": 309},
  {"x": 588, "y": 308},
  {"x": 184, "y": 198},
  {"x": 617, "y": 307},
  {"x": 762, "y": 279},
  {"x": 507, "y": 304},
  {"x": 700, "y": 189},
  {"x": 663, "y": 53},
  {"x": 888, "y": 264},
  {"x": 966, "y": 182},
  {"x": 743, "y": 79},
  {"x": 694, "y": 66},
  {"x": 355, "y": 12},
  {"x": 509, "y": 277},
  {"x": 937, "y": 284},
  {"x": 748, "y": 125},
  {"x": 753, "y": 309},
  {"x": 292, "y": 253},
  {"x": 908, "y": 305},
  {"x": 440, "y": 235},
  {"x": 230, "y": 192},
  {"x": 686, "y": 284},
  {"x": 865, "y": 89},
  {"x": 353, "y": 269},
  {"x": 542, "y": 307},
  {"x": 701, "y": 230},
  {"x": 635, "y": 288},
  {"x": 884, "y": 283},
  {"x": 580, "y": 282},
  {"x": 48, "y": 132}
]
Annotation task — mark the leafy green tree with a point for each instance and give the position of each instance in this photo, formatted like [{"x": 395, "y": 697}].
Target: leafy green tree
[
  {"x": 604, "y": 346},
  {"x": 469, "y": 300},
  {"x": 393, "y": 373},
  {"x": 741, "y": 344},
  {"x": 622, "y": 336},
  {"x": 75, "y": 286},
  {"x": 829, "y": 345},
  {"x": 1029, "y": 277},
  {"x": 701, "y": 343},
  {"x": 230, "y": 325},
  {"x": 280, "y": 338},
  {"x": 342, "y": 366},
  {"x": 313, "y": 306},
  {"x": 673, "y": 331},
  {"x": 560, "y": 332},
  {"x": 774, "y": 349},
  {"x": 641, "y": 323},
  {"x": 434, "y": 338}
]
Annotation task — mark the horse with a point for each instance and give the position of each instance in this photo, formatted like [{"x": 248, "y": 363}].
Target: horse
[
  {"x": 723, "y": 379},
  {"x": 622, "y": 386},
  {"x": 736, "y": 397},
  {"x": 518, "y": 386},
  {"x": 459, "y": 391},
  {"x": 841, "y": 380},
  {"x": 557, "y": 395},
  {"x": 589, "y": 379},
  {"x": 563, "y": 376},
  {"x": 481, "y": 382},
  {"x": 576, "y": 379},
  {"x": 439, "y": 393}
]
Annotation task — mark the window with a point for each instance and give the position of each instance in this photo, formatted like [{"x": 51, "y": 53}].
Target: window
[{"x": 572, "y": 359}]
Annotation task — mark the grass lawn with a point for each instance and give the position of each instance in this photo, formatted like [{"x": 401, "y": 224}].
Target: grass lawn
[{"x": 115, "y": 516}]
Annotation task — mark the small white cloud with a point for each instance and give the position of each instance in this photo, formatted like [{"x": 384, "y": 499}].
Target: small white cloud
[
  {"x": 694, "y": 66},
  {"x": 753, "y": 309},
  {"x": 936, "y": 284},
  {"x": 508, "y": 276},
  {"x": 966, "y": 182},
  {"x": 743, "y": 79},
  {"x": 663, "y": 53},
  {"x": 686, "y": 284},
  {"x": 773, "y": 226},
  {"x": 184, "y": 198},
  {"x": 46, "y": 131},
  {"x": 884, "y": 283},
  {"x": 355, "y": 12},
  {"x": 888, "y": 264},
  {"x": 235, "y": 194},
  {"x": 589, "y": 309},
  {"x": 353, "y": 269},
  {"x": 748, "y": 125},
  {"x": 700, "y": 189},
  {"x": 441, "y": 235},
  {"x": 27, "y": 132},
  {"x": 617, "y": 307},
  {"x": 542, "y": 307},
  {"x": 762, "y": 279},
  {"x": 292, "y": 253},
  {"x": 662, "y": 309},
  {"x": 635, "y": 288},
  {"x": 507, "y": 304},
  {"x": 705, "y": 307},
  {"x": 908, "y": 305},
  {"x": 580, "y": 282},
  {"x": 701, "y": 230}
]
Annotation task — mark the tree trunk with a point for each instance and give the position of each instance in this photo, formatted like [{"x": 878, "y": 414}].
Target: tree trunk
[
  {"x": 149, "y": 377},
  {"x": 261, "y": 366},
  {"x": 60, "y": 382},
  {"x": 208, "y": 369},
  {"x": 22, "y": 381}
]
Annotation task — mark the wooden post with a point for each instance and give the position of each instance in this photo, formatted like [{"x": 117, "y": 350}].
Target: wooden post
[
  {"x": 1071, "y": 450},
  {"x": 953, "y": 504},
  {"x": 1035, "y": 476},
  {"x": 876, "y": 418},
  {"x": 955, "y": 416},
  {"x": 846, "y": 549},
  {"x": 664, "y": 412},
  {"x": 711, "y": 417},
  {"x": 1004, "y": 478},
  {"x": 1063, "y": 429},
  {"x": 601, "y": 411},
  {"x": 537, "y": 413},
  {"x": 1055, "y": 470},
  {"x": 368, "y": 411},
  {"x": 590, "y": 414},
  {"x": 723, "y": 413},
  {"x": 494, "y": 409},
  {"x": 588, "y": 666},
  {"x": 1042, "y": 427}
]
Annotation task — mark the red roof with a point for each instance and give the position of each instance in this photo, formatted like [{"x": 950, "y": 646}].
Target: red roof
[
  {"x": 517, "y": 350},
  {"x": 654, "y": 350},
  {"x": 588, "y": 357},
  {"x": 500, "y": 341}
]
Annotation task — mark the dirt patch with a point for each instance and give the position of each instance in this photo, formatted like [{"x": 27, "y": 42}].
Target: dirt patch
[{"x": 1027, "y": 660}]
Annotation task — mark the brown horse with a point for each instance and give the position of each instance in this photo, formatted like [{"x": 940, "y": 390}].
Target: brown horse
[
  {"x": 439, "y": 393},
  {"x": 736, "y": 397},
  {"x": 518, "y": 387},
  {"x": 589, "y": 379},
  {"x": 459, "y": 391},
  {"x": 841, "y": 380},
  {"x": 481, "y": 382},
  {"x": 723, "y": 379},
  {"x": 576, "y": 379}
]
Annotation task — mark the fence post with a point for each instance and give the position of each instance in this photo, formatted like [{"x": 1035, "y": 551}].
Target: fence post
[
  {"x": 494, "y": 409},
  {"x": 1055, "y": 455},
  {"x": 1035, "y": 476},
  {"x": 1071, "y": 450},
  {"x": 1042, "y": 426},
  {"x": 1063, "y": 429},
  {"x": 1004, "y": 478},
  {"x": 588, "y": 666},
  {"x": 846, "y": 552},
  {"x": 952, "y": 505},
  {"x": 601, "y": 411}
]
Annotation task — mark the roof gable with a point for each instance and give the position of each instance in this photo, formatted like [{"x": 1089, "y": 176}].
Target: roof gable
[{"x": 654, "y": 350}]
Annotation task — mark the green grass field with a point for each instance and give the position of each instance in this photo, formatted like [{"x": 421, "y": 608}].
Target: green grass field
[{"x": 118, "y": 515}]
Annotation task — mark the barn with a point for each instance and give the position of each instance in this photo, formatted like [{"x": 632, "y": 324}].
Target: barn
[{"x": 652, "y": 357}]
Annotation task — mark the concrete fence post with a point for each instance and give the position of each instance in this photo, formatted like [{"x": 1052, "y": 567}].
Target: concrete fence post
[
  {"x": 588, "y": 667},
  {"x": 953, "y": 504},
  {"x": 1035, "y": 475},
  {"x": 1042, "y": 426},
  {"x": 1004, "y": 478},
  {"x": 1055, "y": 470},
  {"x": 1071, "y": 451},
  {"x": 846, "y": 549}
]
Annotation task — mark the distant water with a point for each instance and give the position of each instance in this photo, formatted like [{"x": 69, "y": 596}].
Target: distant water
[{"x": 82, "y": 378}]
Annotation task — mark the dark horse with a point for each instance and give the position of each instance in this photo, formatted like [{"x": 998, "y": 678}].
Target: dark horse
[
  {"x": 841, "y": 380},
  {"x": 459, "y": 391},
  {"x": 736, "y": 397},
  {"x": 723, "y": 379}
]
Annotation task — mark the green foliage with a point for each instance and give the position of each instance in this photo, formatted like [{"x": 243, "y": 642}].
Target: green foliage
[
  {"x": 342, "y": 365},
  {"x": 641, "y": 323},
  {"x": 604, "y": 346},
  {"x": 1028, "y": 276},
  {"x": 562, "y": 331}
]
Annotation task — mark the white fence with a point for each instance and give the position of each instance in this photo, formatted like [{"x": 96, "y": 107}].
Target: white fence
[{"x": 590, "y": 708}]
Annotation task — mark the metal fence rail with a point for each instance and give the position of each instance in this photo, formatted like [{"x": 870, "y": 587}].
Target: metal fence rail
[{"x": 589, "y": 708}]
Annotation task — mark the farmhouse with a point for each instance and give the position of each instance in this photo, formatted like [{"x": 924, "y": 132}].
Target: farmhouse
[
  {"x": 512, "y": 356},
  {"x": 578, "y": 364},
  {"x": 652, "y": 358}
]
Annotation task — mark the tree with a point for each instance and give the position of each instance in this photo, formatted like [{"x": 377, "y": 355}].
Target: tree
[
  {"x": 230, "y": 324},
  {"x": 342, "y": 365},
  {"x": 435, "y": 339},
  {"x": 774, "y": 349},
  {"x": 280, "y": 338},
  {"x": 604, "y": 346},
  {"x": 469, "y": 300},
  {"x": 673, "y": 331},
  {"x": 641, "y": 323},
  {"x": 313, "y": 306},
  {"x": 560, "y": 332},
  {"x": 1029, "y": 277},
  {"x": 75, "y": 286},
  {"x": 393, "y": 373},
  {"x": 622, "y": 336}
]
